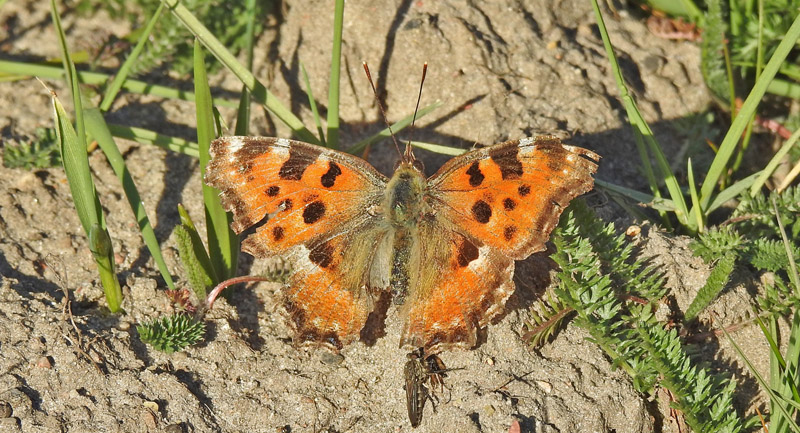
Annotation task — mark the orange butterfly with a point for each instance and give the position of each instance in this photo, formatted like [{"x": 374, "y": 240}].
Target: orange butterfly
[{"x": 443, "y": 247}]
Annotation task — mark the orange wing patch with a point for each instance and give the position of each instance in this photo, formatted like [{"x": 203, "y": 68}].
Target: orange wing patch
[
  {"x": 326, "y": 297},
  {"x": 511, "y": 195},
  {"x": 303, "y": 190},
  {"x": 462, "y": 287}
]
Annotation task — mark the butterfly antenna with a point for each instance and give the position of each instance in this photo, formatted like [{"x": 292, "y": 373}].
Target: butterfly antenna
[
  {"x": 408, "y": 155},
  {"x": 383, "y": 112}
]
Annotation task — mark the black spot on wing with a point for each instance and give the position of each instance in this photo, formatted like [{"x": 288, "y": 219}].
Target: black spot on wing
[
  {"x": 329, "y": 178},
  {"x": 509, "y": 204},
  {"x": 481, "y": 211},
  {"x": 524, "y": 190},
  {"x": 273, "y": 190},
  {"x": 467, "y": 252},
  {"x": 509, "y": 232},
  {"x": 313, "y": 212},
  {"x": 322, "y": 255},
  {"x": 296, "y": 165},
  {"x": 277, "y": 233},
  {"x": 286, "y": 205},
  {"x": 506, "y": 158},
  {"x": 475, "y": 175}
]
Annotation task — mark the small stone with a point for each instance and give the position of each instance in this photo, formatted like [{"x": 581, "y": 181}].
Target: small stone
[
  {"x": 174, "y": 428},
  {"x": 148, "y": 418},
  {"x": 633, "y": 231},
  {"x": 5, "y": 409},
  {"x": 44, "y": 362},
  {"x": 331, "y": 358},
  {"x": 489, "y": 361},
  {"x": 546, "y": 386},
  {"x": 153, "y": 406},
  {"x": 124, "y": 325}
]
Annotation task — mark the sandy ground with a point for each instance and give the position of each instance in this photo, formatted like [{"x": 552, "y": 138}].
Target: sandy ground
[{"x": 502, "y": 70}]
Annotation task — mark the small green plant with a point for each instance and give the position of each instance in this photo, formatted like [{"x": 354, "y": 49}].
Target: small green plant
[
  {"x": 39, "y": 152},
  {"x": 779, "y": 299},
  {"x": 752, "y": 238},
  {"x": 171, "y": 45},
  {"x": 614, "y": 298},
  {"x": 172, "y": 333},
  {"x": 194, "y": 257}
]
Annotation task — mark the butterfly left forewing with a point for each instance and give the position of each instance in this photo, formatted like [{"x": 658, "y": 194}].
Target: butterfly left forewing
[{"x": 304, "y": 190}]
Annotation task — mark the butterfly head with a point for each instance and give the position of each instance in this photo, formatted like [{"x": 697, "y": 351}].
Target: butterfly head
[{"x": 408, "y": 159}]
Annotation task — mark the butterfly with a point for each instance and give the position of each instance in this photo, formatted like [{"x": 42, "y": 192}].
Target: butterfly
[{"x": 443, "y": 248}]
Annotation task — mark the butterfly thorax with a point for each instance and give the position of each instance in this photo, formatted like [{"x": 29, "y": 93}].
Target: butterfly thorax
[{"x": 404, "y": 202}]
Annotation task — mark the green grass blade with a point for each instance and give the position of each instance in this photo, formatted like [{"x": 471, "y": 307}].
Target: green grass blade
[
  {"x": 731, "y": 192},
  {"x": 103, "y": 252},
  {"x": 313, "y": 103},
  {"x": 657, "y": 203},
  {"x": 333, "y": 89},
  {"x": 72, "y": 142},
  {"x": 728, "y": 145},
  {"x": 438, "y": 148},
  {"x": 699, "y": 223},
  {"x": 223, "y": 243},
  {"x": 97, "y": 127},
  {"x": 637, "y": 121},
  {"x": 243, "y": 111},
  {"x": 773, "y": 164},
  {"x": 125, "y": 69},
  {"x": 773, "y": 396},
  {"x": 96, "y": 78},
  {"x": 194, "y": 257},
  {"x": 397, "y": 127},
  {"x": 146, "y": 136},
  {"x": 784, "y": 88},
  {"x": 259, "y": 92},
  {"x": 72, "y": 75}
]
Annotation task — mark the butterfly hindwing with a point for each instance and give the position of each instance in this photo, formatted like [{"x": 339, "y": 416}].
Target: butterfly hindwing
[{"x": 461, "y": 287}]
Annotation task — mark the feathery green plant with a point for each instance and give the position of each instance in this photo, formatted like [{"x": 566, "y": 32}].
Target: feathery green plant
[
  {"x": 614, "y": 297},
  {"x": 170, "y": 44},
  {"x": 172, "y": 333},
  {"x": 39, "y": 152},
  {"x": 193, "y": 255},
  {"x": 752, "y": 238}
]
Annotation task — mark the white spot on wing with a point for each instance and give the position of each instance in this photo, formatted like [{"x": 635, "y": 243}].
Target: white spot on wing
[
  {"x": 526, "y": 141},
  {"x": 234, "y": 144},
  {"x": 282, "y": 142}
]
